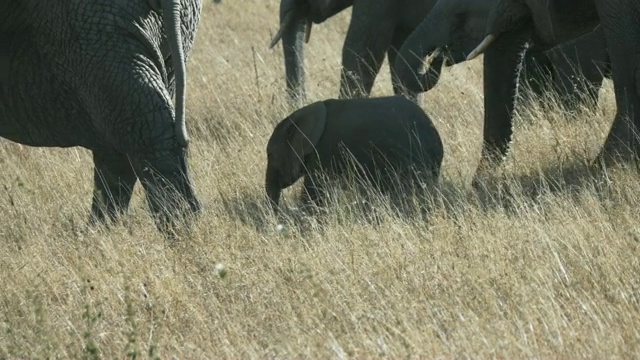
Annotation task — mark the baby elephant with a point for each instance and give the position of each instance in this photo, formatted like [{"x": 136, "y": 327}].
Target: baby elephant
[{"x": 391, "y": 140}]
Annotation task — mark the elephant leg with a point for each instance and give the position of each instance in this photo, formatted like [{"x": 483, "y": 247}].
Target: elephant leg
[
  {"x": 576, "y": 88},
  {"x": 566, "y": 79},
  {"x": 165, "y": 178},
  {"x": 590, "y": 85},
  {"x": 623, "y": 140},
  {"x": 576, "y": 81},
  {"x": 501, "y": 62},
  {"x": 368, "y": 38},
  {"x": 312, "y": 193},
  {"x": 580, "y": 67},
  {"x": 138, "y": 119},
  {"x": 535, "y": 73},
  {"x": 594, "y": 71},
  {"x": 113, "y": 180}
]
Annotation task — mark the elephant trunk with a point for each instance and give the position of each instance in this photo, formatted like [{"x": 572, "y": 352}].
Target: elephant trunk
[
  {"x": 274, "y": 190},
  {"x": 504, "y": 16},
  {"x": 430, "y": 36},
  {"x": 171, "y": 20},
  {"x": 293, "y": 48},
  {"x": 293, "y": 23}
]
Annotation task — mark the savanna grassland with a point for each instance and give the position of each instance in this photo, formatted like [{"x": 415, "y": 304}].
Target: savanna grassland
[{"x": 542, "y": 263}]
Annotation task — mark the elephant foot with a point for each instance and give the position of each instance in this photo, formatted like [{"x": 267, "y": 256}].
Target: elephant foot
[
  {"x": 489, "y": 162},
  {"x": 170, "y": 194},
  {"x": 114, "y": 179},
  {"x": 621, "y": 147},
  {"x": 172, "y": 213},
  {"x": 617, "y": 154},
  {"x": 104, "y": 210},
  {"x": 311, "y": 196}
]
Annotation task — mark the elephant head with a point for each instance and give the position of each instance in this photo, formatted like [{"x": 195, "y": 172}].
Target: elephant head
[
  {"x": 552, "y": 21},
  {"x": 452, "y": 28},
  {"x": 293, "y": 140},
  {"x": 296, "y": 19}
]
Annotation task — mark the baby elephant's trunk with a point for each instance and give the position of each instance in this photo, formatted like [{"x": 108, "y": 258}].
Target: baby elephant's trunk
[{"x": 273, "y": 193}]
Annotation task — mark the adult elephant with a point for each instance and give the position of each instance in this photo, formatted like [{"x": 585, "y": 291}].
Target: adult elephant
[
  {"x": 455, "y": 27},
  {"x": 101, "y": 74},
  {"x": 382, "y": 27},
  {"x": 376, "y": 28},
  {"x": 547, "y": 23}
]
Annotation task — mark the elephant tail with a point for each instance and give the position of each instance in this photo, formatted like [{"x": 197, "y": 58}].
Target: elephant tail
[{"x": 171, "y": 20}]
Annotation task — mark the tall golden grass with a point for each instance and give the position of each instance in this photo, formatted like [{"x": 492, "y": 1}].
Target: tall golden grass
[{"x": 544, "y": 263}]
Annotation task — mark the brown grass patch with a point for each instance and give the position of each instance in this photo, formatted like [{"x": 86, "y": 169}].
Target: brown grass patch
[{"x": 543, "y": 264}]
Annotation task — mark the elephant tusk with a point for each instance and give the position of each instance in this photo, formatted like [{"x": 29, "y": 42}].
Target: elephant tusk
[
  {"x": 286, "y": 22},
  {"x": 482, "y": 47},
  {"x": 307, "y": 33}
]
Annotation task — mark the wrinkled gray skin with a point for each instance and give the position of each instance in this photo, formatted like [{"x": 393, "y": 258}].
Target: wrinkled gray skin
[
  {"x": 547, "y": 23},
  {"x": 455, "y": 27},
  {"x": 375, "y": 29},
  {"x": 100, "y": 74},
  {"x": 390, "y": 138}
]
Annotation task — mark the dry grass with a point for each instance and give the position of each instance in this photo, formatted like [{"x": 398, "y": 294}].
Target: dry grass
[{"x": 544, "y": 264}]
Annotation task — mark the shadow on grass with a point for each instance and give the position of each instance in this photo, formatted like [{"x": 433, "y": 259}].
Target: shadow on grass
[
  {"x": 496, "y": 192},
  {"x": 247, "y": 207},
  {"x": 568, "y": 179},
  {"x": 251, "y": 209},
  {"x": 344, "y": 207}
]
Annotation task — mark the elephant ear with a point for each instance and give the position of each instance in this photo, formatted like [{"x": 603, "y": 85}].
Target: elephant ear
[
  {"x": 306, "y": 127},
  {"x": 542, "y": 12}
]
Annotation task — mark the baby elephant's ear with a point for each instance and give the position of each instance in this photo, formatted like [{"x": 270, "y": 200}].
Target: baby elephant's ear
[{"x": 307, "y": 126}]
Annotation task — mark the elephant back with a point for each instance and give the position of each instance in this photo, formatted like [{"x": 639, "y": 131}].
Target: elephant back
[{"x": 384, "y": 135}]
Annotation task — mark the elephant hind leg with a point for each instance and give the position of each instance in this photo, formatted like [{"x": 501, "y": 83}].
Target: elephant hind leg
[
  {"x": 138, "y": 121},
  {"x": 114, "y": 180},
  {"x": 166, "y": 180},
  {"x": 621, "y": 33},
  {"x": 623, "y": 141}
]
